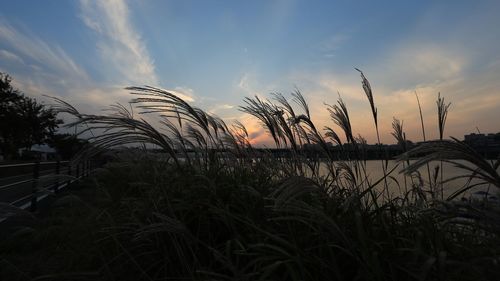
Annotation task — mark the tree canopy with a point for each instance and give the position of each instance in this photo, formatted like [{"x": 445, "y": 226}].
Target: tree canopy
[
  {"x": 23, "y": 121},
  {"x": 66, "y": 145}
]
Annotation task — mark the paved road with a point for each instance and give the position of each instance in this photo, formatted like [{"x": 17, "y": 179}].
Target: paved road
[{"x": 17, "y": 184}]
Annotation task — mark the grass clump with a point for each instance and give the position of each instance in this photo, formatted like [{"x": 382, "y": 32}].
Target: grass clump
[{"x": 210, "y": 206}]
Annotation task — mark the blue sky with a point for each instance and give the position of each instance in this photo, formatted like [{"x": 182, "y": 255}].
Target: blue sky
[{"x": 215, "y": 53}]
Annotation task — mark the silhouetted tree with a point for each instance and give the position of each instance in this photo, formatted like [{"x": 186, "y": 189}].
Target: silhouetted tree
[
  {"x": 66, "y": 145},
  {"x": 23, "y": 121}
]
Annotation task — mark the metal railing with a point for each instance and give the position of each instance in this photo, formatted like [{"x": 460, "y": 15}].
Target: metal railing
[{"x": 24, "y": 185}]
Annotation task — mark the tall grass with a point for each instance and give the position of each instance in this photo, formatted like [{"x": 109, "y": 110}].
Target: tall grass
[
  {"x": 369, "y": 94},
  {"x": 400, "y": 136},
  {"x": 442, "y": 109},
  {"x": 425, "y": 139},
  {"x": 210, "y": 206}
]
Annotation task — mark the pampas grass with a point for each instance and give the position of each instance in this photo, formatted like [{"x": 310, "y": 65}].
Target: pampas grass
[{"x": 207, "y": 205}]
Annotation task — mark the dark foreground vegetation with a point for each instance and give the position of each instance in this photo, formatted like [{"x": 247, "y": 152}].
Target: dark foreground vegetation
[{"x": 247, "y": 215}]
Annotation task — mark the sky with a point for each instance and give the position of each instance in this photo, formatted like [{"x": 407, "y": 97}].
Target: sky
[{"x": 216, "y": 53}]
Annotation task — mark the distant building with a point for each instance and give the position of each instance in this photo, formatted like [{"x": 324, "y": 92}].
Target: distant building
[
  {"x": 316, "y": 146},
  {"x": 489, "y": 140},
  {"x": 487, "y": 145},
  {"x": 42, "y": 152}
]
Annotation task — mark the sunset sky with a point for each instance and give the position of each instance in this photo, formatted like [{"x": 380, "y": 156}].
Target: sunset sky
[{"x": 215, "y": 53}]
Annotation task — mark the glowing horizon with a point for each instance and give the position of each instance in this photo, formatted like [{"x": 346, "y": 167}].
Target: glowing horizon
[{"x": 215, "y": 54}]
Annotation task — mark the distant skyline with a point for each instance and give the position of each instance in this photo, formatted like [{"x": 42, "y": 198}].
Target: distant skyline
[{"x": 216, "y": 53}]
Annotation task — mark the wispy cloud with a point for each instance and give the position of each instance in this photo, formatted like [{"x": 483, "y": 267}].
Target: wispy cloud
[
  {"x": 220, "y": 108},
  {"x": 121, "y": 47},
  {"x": 185, "y": 93},
  {"x": 395, "y": 77},
  {"x": 119, "y": 43},
  {"x": 6, "y": 55},
  {"x": 28, "y": 47},
  {"x": 248, "y": 85},
  {"x": 243, "y": 83},
  {"x": 426, "y": 69},
  {"x": 332, "y": 44},
  {"x": 40, "y": 68},
  {"x": 421, "y": 63}
]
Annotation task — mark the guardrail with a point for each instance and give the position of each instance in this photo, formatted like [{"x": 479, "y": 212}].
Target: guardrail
[{"x": 24, "y": 185}]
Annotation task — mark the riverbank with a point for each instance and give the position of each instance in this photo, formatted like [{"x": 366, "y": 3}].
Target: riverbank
[{"x": 146, "y": 219}]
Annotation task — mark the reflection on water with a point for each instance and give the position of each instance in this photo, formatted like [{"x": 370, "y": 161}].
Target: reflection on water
[{"x": 396, "y": 179}]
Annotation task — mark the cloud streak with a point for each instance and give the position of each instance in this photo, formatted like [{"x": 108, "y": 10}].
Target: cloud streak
[
  {"x": 6, "y": 55},
  {"x": 119, "y": 43},
  {"x": 42, "y": 68},
  {"x": 29, "y": 47}
]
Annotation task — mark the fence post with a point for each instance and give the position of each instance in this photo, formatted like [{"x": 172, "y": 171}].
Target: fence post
[
  {"x": 78, "y": 171},
  {"x": 58, "y": 171},
  {"x": 34, "y": 186},
  {"x": 69, "y": 173}
]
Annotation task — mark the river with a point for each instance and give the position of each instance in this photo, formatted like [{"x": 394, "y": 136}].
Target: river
[{"x": 396, "y": 179}]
